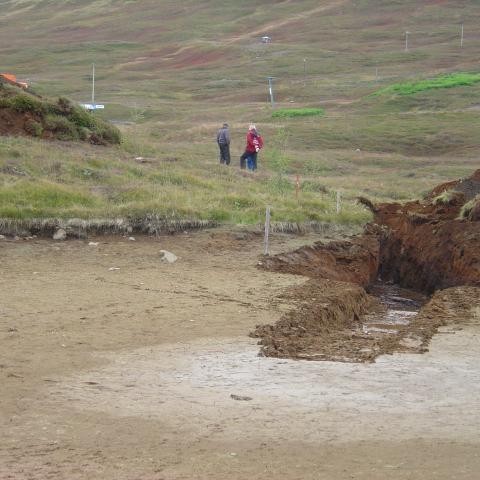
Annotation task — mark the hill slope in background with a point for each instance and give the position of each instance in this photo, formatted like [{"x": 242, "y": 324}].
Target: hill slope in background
[
  {"x": 212, "y": 49},
  {"x": 170, "y": 74}
]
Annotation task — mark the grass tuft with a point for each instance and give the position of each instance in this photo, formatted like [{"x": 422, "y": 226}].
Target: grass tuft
[
  {"x": 468, "y": 208},
  {"x": 298, "y": 112}
]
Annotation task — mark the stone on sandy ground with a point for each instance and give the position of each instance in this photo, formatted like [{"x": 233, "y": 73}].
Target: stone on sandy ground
[
  {"x": 60, "y": 234},
  {"x": 240, "y": 397},
  {"x": 168, "y": 256}
]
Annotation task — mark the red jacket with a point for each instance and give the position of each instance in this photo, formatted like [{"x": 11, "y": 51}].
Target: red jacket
[{"x": 254, "y": 142}]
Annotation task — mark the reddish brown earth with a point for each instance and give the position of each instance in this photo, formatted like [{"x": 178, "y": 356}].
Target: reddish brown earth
[
  {"x": 354, "y": 260},
  {"x": 421, "y": 245},
  {"x": 13, "y": 123},
  {"x": 427, "y": 246}
]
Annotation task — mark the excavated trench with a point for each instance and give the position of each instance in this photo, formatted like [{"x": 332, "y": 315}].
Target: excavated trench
[{"x": 415, "y": 268}]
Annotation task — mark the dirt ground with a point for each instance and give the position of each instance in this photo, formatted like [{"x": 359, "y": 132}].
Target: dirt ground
[{"x": 116, "y": 365}]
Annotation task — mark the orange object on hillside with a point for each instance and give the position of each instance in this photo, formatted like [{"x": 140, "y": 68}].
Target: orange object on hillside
[{"x": 12, "y": 79}]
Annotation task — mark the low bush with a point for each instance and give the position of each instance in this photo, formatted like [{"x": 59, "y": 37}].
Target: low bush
[
  {"x": 33, "y": 128},
  {"x": 298, "y": 112},
  {"x": 61, "y": 127},
  {"x": 442, "y": 81},
  {"x": 24, "y": 103}
]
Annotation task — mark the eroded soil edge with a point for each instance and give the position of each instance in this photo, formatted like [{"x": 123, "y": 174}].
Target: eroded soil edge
[{"x": 431, "y": 246}]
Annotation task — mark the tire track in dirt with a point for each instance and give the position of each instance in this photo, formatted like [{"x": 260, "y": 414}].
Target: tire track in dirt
[{"x": 281, "y": 23}]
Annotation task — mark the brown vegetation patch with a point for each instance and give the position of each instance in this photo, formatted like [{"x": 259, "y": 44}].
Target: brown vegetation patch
[{"x": 193, "y": 57}]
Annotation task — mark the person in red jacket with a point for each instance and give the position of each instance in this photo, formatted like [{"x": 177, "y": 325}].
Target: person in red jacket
[{"x": 254, "y": 144}]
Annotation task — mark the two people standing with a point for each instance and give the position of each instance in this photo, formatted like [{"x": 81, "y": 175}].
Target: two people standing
[{"x": 249, "y": 156}]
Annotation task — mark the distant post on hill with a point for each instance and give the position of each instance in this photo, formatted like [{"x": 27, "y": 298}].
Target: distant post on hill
[
  {"x": 270, "y": 90},
  {"x": 91, "y": 107}
]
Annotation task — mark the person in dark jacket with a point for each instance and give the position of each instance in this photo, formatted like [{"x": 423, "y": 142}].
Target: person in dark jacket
[
  {"x": 223, "y": 141},
  {"x": 254, "y": 144}
]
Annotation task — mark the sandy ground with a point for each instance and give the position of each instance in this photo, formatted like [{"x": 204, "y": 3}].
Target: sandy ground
[{"x": 128, "y": 374}]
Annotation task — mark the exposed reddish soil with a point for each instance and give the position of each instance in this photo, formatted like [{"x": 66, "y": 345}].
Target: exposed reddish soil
[
  {"x": 354, "y": 260},
  {"x": 427, "y": 246},
  {"x": 420, "y": 245},
  {"x": 468, "y": 186},
  {"x": 14, "y": 123}
]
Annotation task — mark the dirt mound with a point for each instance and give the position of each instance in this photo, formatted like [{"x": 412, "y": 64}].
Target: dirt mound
[
  {"x": 25, "y": 114},
  {"x": 427, "y": 245},
  {"x": 341, "y": 322},
  {"x": 320, "y": 327},
  {"x": 422, "y": 245},
  {"x": 354, "y": 260},
  {"x": 470, "y": 187}
]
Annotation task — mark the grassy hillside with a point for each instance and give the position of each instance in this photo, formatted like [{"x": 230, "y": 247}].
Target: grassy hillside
[{"x": 171, "y": 74}]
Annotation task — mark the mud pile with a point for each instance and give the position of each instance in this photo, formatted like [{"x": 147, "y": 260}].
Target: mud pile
[
  {"x": 354, "y": 260},
  {"x": 427, "y": 245},
  {"x": 323, "y": 326}
]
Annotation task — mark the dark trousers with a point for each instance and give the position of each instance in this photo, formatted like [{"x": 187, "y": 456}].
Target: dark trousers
[
  {"x": 224, "y": 153},
  {"x": 253, "y": 161}
]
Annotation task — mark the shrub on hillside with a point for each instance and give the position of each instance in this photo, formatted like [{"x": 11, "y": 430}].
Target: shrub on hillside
[
  {"x": 82, "y": 118},
  {"x": 33, "y": 128},
  {"x": 61, "y": 127},
  {"x": 24, "y": 103}
]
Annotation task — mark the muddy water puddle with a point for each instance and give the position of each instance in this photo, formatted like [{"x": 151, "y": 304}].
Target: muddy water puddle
[{"x": 398, "y": 307}]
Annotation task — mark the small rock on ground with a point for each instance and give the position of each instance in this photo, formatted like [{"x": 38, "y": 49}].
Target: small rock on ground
[
  {"x": 60, "y": 234},
  {"x": 168, "y": 256},
  {"x": 240, "y": 397}
]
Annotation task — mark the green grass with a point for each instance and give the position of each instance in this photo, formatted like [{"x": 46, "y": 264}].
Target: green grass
[
  {"x": 171, "y": 87},
  {"x": 298, "y": 112},
  {"x": 443, "y": 81},
  {"x": 45, "y": 181}
]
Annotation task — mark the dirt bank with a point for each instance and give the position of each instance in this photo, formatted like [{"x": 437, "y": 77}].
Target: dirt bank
[
  {"x": 425, "y": 245},
  {"x": 354, "y": 260}
]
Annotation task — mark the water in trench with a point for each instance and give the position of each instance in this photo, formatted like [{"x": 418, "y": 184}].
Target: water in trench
[{"x": 398, "y": 307}]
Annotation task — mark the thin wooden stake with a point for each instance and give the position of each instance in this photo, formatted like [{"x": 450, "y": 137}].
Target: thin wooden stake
[
  {"x": 297, "y": 186},
  {"x": 267, "y": 230}
]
